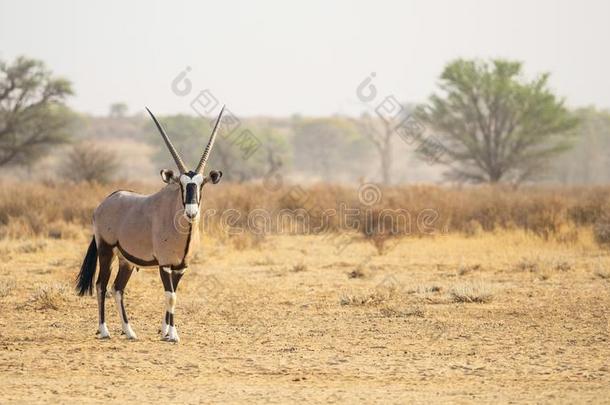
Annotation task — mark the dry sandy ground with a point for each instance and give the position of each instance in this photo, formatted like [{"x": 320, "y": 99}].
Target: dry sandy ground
[{"x": 285, "y": 322}]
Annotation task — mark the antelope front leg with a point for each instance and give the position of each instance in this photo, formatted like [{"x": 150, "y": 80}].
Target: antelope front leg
[{"x": 170, "y": 281}]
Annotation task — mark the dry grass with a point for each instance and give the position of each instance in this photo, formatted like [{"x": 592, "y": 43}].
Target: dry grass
[
  {"x": 6, "y": 288},
  {"x": 372, "y": 298},
  {"x": 358, "y": 272},
  {"x": 253, "y": 331},
  {"x": 299, "y": 267},
  {"x": 466, "y": 269},
  {"x": 51, "y": 296},
  {"x": 527, "y": 265},
  {"x": 475, "y": 292},
  {"x": 392, "y": 312},
  {"x": 603, "y": 274},
  {"x": 44, "y": 210},
  {"x": 601, "y": 231}
]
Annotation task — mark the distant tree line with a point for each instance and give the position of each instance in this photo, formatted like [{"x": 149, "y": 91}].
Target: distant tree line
[{"x": 492, "y": 124}]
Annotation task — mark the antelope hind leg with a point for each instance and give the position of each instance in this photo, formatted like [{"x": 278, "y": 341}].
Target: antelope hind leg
[
  {"x": 105, "y": 256},
  {"x": 120, "y": 282}
]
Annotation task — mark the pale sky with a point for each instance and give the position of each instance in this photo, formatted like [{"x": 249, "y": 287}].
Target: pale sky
[{"x": 284, "y": 57}]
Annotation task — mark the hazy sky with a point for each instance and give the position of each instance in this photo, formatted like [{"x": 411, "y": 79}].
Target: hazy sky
[{"x": 283, "y": 57}]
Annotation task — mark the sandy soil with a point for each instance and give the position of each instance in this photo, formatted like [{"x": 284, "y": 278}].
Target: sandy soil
[{"x": 294, "y": 320}]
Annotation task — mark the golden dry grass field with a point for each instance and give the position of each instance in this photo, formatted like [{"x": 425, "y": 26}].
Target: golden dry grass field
[{"x": 503, "y": 316}]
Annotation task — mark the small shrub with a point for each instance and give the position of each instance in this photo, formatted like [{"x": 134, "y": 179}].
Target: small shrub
[
  {"x": 374, "y": 298},
  {"x": 49, "y": 297},
  {"x": 601, "y": 232},
  {"x": 463, "y": 270},
  {"x": 358, "y": 272},
  {"x": 428, "y": 289},
  {"x": 90, "y": 162},
  {"x": 299, "y": 267},
  {"x": 473, "y": 228},
  {"x": 527, "y": 265},
  {"x": 471, "y": 293},
  {"x": 379, "y": 241}
]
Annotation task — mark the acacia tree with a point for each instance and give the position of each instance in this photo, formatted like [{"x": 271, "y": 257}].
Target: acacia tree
[
  {"x": 493, "y": 124},
  {"x": 33, "y": 115}
]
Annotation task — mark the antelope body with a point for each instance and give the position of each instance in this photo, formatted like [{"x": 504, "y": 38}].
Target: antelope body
[{"x": 147, "y": 231}]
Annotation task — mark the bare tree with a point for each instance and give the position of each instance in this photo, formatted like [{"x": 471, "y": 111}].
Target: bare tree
[
  {"x": 380, "y": 133},
  {"x": 33, "y": 115},
  {"x": 90, "y": 162}
]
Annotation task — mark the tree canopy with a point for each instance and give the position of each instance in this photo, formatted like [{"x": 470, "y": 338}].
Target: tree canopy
[
  {"x": 33, "y": 114},
  {"x": 493, "y": 124}
]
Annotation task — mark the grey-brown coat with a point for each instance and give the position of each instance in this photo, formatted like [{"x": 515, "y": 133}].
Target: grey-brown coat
[{"x": 155, "y": 230}]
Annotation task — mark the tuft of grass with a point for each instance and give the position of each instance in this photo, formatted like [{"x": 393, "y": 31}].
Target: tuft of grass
[
  {"x": 374, "y": 298},
  {"x": 49, "y": 297},
  {"x": 527, "y": 265},
  {"x": 463, "y": 270},
  {"x": 6, "y": 287},
  {"x": 601, "y": 232},
  {"x": 32, "y": 247},
  {"x": 390, "y": 312},
  {"x": 20, "y": 247},
  {"x": 428, "y": 289},
  {"x": 299, "y": 267},
  {"x": 358, "y": 272},
  {"x": 471, "y": 293},
  {"x": 563, "y": 266}
]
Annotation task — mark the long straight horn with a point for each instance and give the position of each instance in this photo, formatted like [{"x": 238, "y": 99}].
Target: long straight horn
[
  {"x": 170, "y": 146},
  {"x": 208, "y": 148}
]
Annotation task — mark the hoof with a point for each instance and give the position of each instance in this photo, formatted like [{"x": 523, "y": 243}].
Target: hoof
[
  {"x": 103, "y": 332},
  {"x": 129, "y": 333},
  {"x": 172, "y": 336}
]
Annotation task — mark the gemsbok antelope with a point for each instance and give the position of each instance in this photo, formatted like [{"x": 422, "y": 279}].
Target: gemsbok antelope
[{"x": 141, "y": 230}]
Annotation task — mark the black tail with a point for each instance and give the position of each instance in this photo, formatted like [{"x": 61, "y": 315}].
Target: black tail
[{"x": 84, "y": 280}]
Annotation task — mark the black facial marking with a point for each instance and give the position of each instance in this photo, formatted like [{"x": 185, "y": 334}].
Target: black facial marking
[{"x": 191, "y": 194}]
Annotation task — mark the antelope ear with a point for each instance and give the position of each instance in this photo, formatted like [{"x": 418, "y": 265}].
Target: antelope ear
[
  {"x": 215, "y": 175},
  {"x": 168, "y": 176}
]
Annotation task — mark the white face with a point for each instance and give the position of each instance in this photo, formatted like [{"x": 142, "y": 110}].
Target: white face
[{"x": 191, "y": 187}]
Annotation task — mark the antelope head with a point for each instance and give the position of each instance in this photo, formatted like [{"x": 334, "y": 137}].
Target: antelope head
[{"x": 191, "y": 182}]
